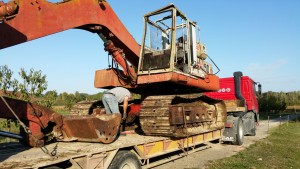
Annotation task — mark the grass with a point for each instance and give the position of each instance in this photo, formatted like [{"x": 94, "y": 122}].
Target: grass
[
  {"x": 8, "y": 126},
  {"x": 63, "y": 112},
  {"x": 280, "y": 150}
]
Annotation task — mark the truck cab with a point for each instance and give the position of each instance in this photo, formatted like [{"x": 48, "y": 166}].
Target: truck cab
[
  {"x": 241, "y": 98},
  {"x": 248, "y": 90}
]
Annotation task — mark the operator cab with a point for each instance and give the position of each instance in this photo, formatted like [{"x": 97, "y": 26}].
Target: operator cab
[{"x": 171, "y": 43}]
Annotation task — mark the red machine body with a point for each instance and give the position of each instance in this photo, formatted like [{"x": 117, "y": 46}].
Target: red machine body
[
  {"x": 227, "y": 91},
  {"x": 169, "y": 65}
]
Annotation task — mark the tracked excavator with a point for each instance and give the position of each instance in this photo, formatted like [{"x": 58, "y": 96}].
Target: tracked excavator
[{"x": 170, "y": 70}]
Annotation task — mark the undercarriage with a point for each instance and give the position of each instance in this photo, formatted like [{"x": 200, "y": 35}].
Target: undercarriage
[
  {"x": 181, "y": 115},
  {"x": 169, "y": 115}
]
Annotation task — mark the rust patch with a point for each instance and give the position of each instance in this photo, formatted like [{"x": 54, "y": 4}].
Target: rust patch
[{"x": 180, "y": 115}]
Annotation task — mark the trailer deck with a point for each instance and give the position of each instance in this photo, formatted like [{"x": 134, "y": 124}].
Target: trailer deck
[{"x": 14, "y": 155}]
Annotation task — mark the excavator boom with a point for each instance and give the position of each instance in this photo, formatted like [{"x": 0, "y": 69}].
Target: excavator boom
[
  {"x": 31, "y": 19},
  {"x": 25, "y": 20}
]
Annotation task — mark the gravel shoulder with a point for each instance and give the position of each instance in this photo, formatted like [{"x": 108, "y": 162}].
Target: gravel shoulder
[{"x": 219, "y": 151}]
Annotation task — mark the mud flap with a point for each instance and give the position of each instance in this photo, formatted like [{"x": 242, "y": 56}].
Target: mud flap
[
  {"x": 101, "y": 128},
  {"x": 229, "y": 133},
  {"x": 234, "y": 130},
  {"x": 249, "y": 122}
]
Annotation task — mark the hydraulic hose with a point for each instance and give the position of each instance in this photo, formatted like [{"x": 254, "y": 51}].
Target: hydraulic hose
[{"x": 7, "y": 9}]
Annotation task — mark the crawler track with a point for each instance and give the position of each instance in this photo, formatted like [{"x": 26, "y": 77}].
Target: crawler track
[
  {"x": 181, "y": 115},
  {"x": 86, "y": 108}
]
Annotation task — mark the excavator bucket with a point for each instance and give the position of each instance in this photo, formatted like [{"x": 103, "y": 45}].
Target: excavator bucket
[
  {"x": 40, "y": 124},
  {"x": 101, "y": 128}
]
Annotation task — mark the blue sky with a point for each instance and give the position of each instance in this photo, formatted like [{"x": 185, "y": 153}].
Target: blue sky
[{"x": 259, "y": 38}]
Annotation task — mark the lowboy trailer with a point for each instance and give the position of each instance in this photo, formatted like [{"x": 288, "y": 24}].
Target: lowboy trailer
[{"x": 130, "y": 150}]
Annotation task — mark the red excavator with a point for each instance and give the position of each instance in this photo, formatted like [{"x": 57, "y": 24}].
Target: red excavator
[{"x": 169, "y": 70}]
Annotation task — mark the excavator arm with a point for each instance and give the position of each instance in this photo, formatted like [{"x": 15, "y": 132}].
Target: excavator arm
[{"x": 25, "y": 20}]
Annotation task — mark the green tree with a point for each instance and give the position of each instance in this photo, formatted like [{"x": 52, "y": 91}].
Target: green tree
[
  {"x": 97, "y": 96},
  {"x": 5, "y": 78},
  {"x": 6, "y": 82},
  {"x": 272, "y": 102},
  {"x": 34, "y": 83},
  {"x": 49, "y": 98},
  {"x": 70, "y": 100},
  {"x": 80, "y": 96},
  {"x": 64, "y": 96}
]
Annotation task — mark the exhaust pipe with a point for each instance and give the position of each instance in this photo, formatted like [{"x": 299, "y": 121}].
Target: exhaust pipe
[
  {"x": 259, "y": 89},
  {"x": 237, "y": 85}
]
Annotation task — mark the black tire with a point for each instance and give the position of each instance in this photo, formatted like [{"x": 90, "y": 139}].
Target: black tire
[
  {"x": 239, "y": 140},
  {"x": 125, "y": 159}
]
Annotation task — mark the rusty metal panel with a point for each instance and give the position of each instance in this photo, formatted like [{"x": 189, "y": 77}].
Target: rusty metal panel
[
  {"x": 109, "y": 78},
  {"x": 176, "y": 115},
  {"x": 190, "y": 114},
  {"x": 101, "y": 128},
  {"x": 200, "y": 114},
  {"x": 37, "y": 118}
]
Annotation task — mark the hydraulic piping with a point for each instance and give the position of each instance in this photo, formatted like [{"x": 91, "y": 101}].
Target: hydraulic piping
[
  {"x": 117, "y": 55},
  {"x": 8, "y": 9}
]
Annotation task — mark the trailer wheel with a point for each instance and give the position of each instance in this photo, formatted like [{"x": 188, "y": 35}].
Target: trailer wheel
[
  {"x": 125, "y": 160},
  {"x": 240, "y": 133}
]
